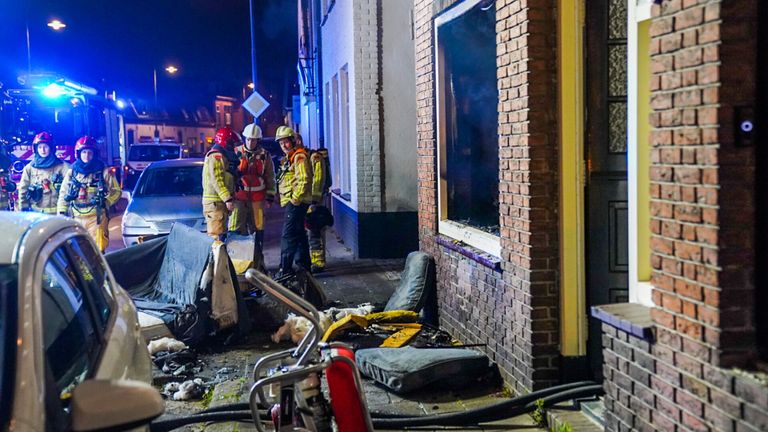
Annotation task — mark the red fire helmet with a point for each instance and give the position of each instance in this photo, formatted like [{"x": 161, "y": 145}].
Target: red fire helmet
[
  {"x": 43, "y": 138},
  {"x": 226, "y": 137},
  {"x": 83, "y": 143}
]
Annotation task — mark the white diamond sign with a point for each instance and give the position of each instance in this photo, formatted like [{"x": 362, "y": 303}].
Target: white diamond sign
[{"x": 255, "y": 104}]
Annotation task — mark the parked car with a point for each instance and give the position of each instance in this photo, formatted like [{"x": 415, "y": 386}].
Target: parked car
[
  {"x": 71, "y": 353},
  {"x": 141, "y": 154},
  {"x": 167, "y": 192}
]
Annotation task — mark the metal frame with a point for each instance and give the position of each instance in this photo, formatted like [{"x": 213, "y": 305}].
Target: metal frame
[{"x": 310, "y": 350}]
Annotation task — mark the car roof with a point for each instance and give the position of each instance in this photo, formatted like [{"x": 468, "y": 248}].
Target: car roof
[
  {"x": 174, "y": 163},
  {"x": 15, "y": 226}
]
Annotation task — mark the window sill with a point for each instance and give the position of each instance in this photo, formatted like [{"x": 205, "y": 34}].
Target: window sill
[
  {"x": 480, "y": 257},
  {"x": 632, "y": 318},
  {"x": 488, "y": 243},
  {"x": 345, "y": 196}
]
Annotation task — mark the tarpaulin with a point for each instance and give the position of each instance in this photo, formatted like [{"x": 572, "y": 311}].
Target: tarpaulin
[{"x": 173, "y": 278}]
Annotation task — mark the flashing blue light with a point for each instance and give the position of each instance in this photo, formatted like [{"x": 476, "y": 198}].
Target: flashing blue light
[
  {"x": 54, "y": 90},
  {"x": 120, "y": 104}
]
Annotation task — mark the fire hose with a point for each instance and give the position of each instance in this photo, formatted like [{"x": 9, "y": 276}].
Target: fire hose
[{"x": 506, "y": 409}]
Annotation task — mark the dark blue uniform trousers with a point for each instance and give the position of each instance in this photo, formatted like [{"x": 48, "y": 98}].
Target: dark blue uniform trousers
[{"x": 294, "y": 246}]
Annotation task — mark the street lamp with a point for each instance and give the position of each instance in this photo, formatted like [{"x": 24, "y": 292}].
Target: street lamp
[
  {"x": 56, "y": 25},
  {"x": 171, "y": 69}
]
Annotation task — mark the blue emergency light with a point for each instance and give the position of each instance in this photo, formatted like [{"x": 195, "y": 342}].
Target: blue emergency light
[{"x": 54, "y": 91}]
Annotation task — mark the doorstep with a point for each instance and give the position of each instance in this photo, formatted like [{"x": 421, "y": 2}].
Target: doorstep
[{"x": 582, "y": 417}]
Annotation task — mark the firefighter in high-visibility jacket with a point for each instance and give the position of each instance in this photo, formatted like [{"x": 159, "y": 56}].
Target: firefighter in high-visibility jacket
[
  {"x": 295, "y": 187},
  {"x": 88, "y": 190},
  {"x": 219, "y": 182},
  {"x": 318, "y": 216},
  {"x": 256, "y": 190},
  {"x": 41, "y": 179}
]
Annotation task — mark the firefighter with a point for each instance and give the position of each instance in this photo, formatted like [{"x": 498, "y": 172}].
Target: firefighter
[
  {"x": 257, "y": 189},
  {"x": 7, "y": 185},
  {"x": 295, "y": 187},
  {"x": 219, "y": 182},
  {"x": 318, "y": 216},
  {"x": 41, "y": 179},
  {"x": 89, "y": 189}
]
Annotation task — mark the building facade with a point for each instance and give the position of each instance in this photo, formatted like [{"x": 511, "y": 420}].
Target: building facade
[
  {"x": 193, "y": 129},
  {"x": 587, "y": 184},
  {"x": 356, "y": 63}
]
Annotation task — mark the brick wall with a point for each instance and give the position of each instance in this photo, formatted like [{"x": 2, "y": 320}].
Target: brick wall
[
  {"x": 514, "y": 312},
  {"x": 367, "y": 105},
  {"x": 649, "y": 388},
  {"x": 701, "y": 184},
  {"x": 703, "y": 208}
]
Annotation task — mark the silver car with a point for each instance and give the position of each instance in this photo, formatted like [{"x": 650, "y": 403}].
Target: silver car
[
  {"x": 167, "y": 192},
  {"x": 71, "y": 353}
]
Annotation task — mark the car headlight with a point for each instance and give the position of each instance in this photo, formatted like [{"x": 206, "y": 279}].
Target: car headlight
[{"x": 133, "y": 220}]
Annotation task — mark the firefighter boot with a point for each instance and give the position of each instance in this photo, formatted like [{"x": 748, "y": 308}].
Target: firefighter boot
[{"x": 317, "y": 250}]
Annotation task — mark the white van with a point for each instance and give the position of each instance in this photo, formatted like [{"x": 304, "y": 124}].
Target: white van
[{"x": 142, "y": 154}]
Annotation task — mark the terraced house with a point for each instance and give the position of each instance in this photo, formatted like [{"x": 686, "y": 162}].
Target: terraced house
[{"x": 588, "y": 178}]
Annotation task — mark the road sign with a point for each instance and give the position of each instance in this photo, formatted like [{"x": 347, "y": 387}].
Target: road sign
[{"x": 255, "y": 104}]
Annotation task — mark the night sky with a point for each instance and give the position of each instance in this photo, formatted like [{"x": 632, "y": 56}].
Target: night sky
[{"x": 115, "y": 45}]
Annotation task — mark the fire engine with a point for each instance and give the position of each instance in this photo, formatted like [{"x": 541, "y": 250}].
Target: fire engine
[{"x": 65, "y": 108}]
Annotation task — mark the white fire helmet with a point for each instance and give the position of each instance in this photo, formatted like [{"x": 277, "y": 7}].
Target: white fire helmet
[{"x": 252, "y": 131}]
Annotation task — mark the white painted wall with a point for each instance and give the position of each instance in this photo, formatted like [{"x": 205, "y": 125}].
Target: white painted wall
[
  {"x": 339, "y": 50},
  {"x": 350, "y": 37},
  {"x": 367, "y": 117},
  {"x": 399, "y": 92},
  {"x": 308, "y": 127}
]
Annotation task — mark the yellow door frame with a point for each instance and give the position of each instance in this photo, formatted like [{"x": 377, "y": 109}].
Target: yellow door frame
[{"x": 573, "y": 314}]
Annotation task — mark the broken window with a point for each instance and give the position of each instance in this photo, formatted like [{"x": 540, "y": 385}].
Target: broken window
[{"x": 467, "y": 103}]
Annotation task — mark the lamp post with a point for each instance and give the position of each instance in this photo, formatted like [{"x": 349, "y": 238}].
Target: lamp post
[
  {"x": 171, "y": 69},
  {"x": 253, "y": 51},
  {"x": 56, "y": 25}
]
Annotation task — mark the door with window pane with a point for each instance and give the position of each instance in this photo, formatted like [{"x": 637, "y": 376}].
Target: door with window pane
[{"x": 606, "y": 147}]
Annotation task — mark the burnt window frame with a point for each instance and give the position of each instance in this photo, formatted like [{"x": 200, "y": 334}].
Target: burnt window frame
[{"x": 472, "y": 236}]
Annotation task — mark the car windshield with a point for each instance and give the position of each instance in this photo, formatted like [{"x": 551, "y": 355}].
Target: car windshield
[
  {"x": 170, "y": 181},
  {"x": 8, "y": 275},
  {"x": 153, "y": 152}
]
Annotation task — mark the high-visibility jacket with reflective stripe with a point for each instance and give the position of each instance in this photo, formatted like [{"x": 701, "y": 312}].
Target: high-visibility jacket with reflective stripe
[
  {"x": 218, "y": 182},
  {"x": 257, "y": 175},
  {"x": 87, "y": 198},
  {"x": 295, "y": 179},
  {"x": 318, "y": 176},
  {"x": 49, "y": 180}
]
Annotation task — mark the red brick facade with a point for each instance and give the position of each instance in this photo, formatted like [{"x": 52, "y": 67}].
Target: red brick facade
[
  {"x": 514, "y": 311},
  {"x": 704, "y": 64},
  {"x": 703, "y": 205}
]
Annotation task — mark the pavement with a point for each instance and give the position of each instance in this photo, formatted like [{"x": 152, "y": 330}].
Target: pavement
[{"x": 349, "y": 282}]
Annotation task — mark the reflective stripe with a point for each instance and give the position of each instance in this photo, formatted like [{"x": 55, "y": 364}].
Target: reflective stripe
[{"x": 254, "y": 188}]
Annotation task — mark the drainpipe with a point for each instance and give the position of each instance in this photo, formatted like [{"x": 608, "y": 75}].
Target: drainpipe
[{"x": 316, "y": 33}]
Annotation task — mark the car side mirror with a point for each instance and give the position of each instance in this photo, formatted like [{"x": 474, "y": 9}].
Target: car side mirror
[{"x": 114, "y": 404}]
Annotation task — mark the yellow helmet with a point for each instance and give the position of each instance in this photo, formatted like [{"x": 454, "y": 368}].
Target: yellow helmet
[{"x": 284, "y": 132}]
